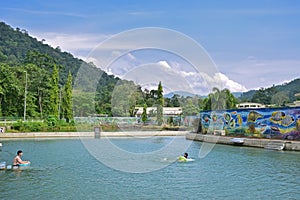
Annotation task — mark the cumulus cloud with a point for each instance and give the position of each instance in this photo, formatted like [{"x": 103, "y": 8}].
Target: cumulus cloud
[
  {"x": 229, "y": 84},
  {"x": 164, "y": 64},
  {"x": 149, "y": 74},
  {"x": 203, "y": 82}
]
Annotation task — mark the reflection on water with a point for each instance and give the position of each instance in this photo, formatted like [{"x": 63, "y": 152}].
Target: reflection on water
[{"x": 63, "y": 169}]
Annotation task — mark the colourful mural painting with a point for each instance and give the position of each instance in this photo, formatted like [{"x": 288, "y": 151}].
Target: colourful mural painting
[{"x": 283, "y": 123}]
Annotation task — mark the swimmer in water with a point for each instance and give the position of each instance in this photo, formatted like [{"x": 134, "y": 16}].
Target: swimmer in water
[
  {"x": 185, "y": 155},
  {"x": 17, "y": 160}
]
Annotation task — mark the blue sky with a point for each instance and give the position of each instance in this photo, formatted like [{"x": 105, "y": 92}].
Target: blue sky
[{"x": 254, "y": 43}]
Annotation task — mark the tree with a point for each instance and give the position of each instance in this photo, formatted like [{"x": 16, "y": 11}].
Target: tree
[
  {"x": 54, "y": 93},
  {"x": 190, "y": 108},
  {"x": 144, "y": 114},
  {"x": 123, "y": 100},
  {"x": 280, "y": 98},
  {"x": 136, "y": 99},
  {"x": 67, "y": 99},
  {"x": 219, "y": 100},
  {"x": 83, "y": 103},
  {"x": 11, "y": 92},
  {"x": 37, "y": 90},
  {"x": 174, "y": 100},
  {"x": 231, "y": 101},
  {"x": 264, "y": 96},
  {"x": 160, "y": 104}
]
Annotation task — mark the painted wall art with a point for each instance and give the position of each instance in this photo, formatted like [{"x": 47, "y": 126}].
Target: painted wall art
[{"x": 281, "y": 123}]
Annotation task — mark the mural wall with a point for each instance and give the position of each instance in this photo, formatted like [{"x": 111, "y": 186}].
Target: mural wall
[{"x": 283, "y": 123}]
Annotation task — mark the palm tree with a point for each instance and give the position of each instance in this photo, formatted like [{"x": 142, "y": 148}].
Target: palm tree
[
  {"x": 218, "y": 99},
  {"x": 231, "y": 101}
]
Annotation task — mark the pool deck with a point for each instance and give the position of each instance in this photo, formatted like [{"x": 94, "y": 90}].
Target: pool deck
[
  {"x": 248, "y": 142},
  {"x": 91, "y": 134}
]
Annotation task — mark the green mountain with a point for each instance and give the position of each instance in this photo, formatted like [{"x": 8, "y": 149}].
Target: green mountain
[
  {"x": 20, "y": 53},
  {"x": 277, "y": 94},
  {"x": 16, "y": 46}
]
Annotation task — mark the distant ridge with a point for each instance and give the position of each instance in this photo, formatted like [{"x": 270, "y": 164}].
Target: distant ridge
[
  {"x": 180, "y": 93},
  {"x": 291, "y": 88},
  {"x": 188, "y": 94}
]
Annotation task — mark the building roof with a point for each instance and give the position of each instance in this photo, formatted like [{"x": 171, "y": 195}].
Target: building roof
[
  {"x": 250, "y": 105},
  {"x": 166, "y": 110}
]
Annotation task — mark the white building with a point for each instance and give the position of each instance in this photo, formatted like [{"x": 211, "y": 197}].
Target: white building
[
  {"x": 167, "y": 111},
  {"x": 247, "y": 105}
]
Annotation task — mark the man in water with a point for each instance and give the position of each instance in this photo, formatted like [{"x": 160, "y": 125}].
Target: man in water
[
  {"x": 17, "y": 160},
  {"x": 185, "y": 155},
  {"x": 183, "y": 158}
]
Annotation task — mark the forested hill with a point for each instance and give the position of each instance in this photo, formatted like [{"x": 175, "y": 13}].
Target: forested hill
[
  {"x": 16, "y": 45},
  {"x": 277, "y": 94},
  {"x": 21, "y": 54}
]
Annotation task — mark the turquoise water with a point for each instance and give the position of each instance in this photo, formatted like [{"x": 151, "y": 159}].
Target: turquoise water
[{"x": 64, "y": 169}]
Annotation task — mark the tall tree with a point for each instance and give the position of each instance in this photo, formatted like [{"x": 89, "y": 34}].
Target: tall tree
[
  {"x": 11, "y": 91},
  {"x": 54, "y": 93},
  {"x": 160, "y": 104},
  {"x": 231, "y": 101},
  {"x": 144, "y": 114},
  {"x": 219, "y": 100},
  {"x": 67, "y": 99},
  {"x": 174, "y": 100}
]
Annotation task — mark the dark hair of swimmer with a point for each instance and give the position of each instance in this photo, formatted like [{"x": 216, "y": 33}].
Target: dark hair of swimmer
[
  {"x": 19, "y": 152},
  {"x": 185, "y": 155}
]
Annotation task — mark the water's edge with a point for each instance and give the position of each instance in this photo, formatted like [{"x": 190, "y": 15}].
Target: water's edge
[
  {"x": 92, "y": 134},
  {"x": 249, "y": 142}
]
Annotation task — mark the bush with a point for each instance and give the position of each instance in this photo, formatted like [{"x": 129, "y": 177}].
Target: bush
[
  {"x": 51, "y": 121},
  {"x": 29, "y": 126}
]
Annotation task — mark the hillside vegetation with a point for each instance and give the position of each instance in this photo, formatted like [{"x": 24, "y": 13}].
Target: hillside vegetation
[{"x": 278, "y": 95}]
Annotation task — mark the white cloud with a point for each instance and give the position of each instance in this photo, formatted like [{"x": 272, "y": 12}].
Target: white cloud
[
  {"x": 256, "y": 73},
  {"x": 148, "y": 75},
  {"x": 229, "y": 84},
  {"x": 188, "y": 74},
  {"x": 199, "y": 82},
  {"x": 74, "y": 43},
  {"x": 164, "y": 64}
]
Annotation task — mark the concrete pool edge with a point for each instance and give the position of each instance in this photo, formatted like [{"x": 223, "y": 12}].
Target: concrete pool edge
[
  {"x": 290, "y": 145},
  {"x": 91, "y": 134}
]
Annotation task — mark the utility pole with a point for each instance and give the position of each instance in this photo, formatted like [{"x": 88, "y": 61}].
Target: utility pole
[
  {"x": 25, "y": 96},
  {"x": 59, "y": 104}
]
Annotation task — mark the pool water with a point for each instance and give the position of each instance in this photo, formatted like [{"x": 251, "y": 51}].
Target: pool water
[{"x": 64, "y": 169}]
